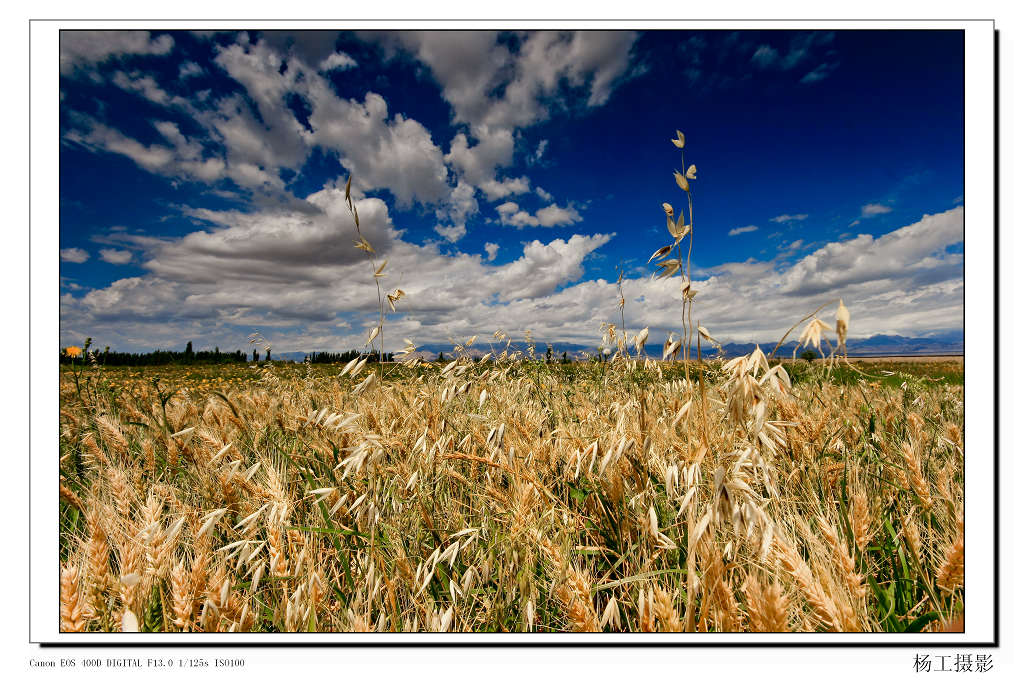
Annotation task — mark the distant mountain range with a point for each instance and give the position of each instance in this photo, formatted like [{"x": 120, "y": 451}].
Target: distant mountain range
[
  {"x": 949, "y": 342},
  {"x": 878, "y": 345}
]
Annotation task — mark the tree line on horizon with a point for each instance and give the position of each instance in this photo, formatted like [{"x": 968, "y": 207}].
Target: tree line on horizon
[
  {"x": 157, "y": 357},
  {"x": 73, "y": 354}
]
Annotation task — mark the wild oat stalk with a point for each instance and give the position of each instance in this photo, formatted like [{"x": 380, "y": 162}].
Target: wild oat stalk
[
  {"x": 378, "y": 272},
  {"x": 679, "y": 228}
]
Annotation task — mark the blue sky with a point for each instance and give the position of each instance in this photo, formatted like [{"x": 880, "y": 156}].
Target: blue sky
[{"x": 506, "y": 177}]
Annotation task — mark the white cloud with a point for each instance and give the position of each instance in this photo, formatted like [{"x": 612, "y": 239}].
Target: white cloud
[
  {"x": 82, "y": 48},
  {"x": 543, "y": 194},
  {"x": 498, "y": 189},
  {"x": 189, "y": 69},
  {"x": 151, "y": 157},
  {"x": 820, "y": 73},
  {"x": 869, "y": 210},
  {"x": 554, "y": 215},
  {"x": 551, "y": 216},
  {"x": 455, "y": 210},
  {"x": 184, "y": 159},
  {"x": 116, "y": 256},
  {"x": 477, "y": 163},
  {"x": 804, "y": 47},
  {"x": 740, "y": 231},
  {"x": 536, "y": 157},
  {"x": 337, "y": 60},
  {"x": 473, "y": 68},
  {"x": 765, "y": 56},
  {"x": 788, "y": 218},
  {"x": 275, "y": 139},
  {"x": 397, "y": 154},
  {"x": 145, "y": 86},
  {"x": 74, "y": 255},
  {"x": 492, "y": 250},
  {"x": 510, "y": 214},
  {"x": 452, "y": 233}
]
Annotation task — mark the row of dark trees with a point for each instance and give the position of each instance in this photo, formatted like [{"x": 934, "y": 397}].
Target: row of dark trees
[
  {"x": 190, "y": 357},
  {"x": 161, "y": 357}
]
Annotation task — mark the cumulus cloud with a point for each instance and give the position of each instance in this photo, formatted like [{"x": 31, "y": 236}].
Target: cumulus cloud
[
  {"x": 455, "y": 210},
  {"x": 498, "y": 90},
  {"x": 905, "y": 282},
  {"x": 492, "y": 250},
  {"x": 84, "y": 48},
  {"x": 310, "y": 46},
  {"x": 74, "y": 255},
  {"x": 452, "y": 233},
  {"x": 278, "y": 270},
  {"x": 252, "y": 148},
  {"x": 477, "y": 163},
  {"x": 396, "y": 153},
  {"x": 337, "y": 60},
  {"x": 278, "y": 246},
  {"x": 117, "y": 257},
  {"x": 913, "y": 252},
  {"x": 554, "y": 215},
  {"x": 497, "y": 189},
  {"x": 550, "y": 216},
  {"x": 381, "y": 151},
  {"x": 492, "y": 87},
  {"x": 740, "y": 231}
]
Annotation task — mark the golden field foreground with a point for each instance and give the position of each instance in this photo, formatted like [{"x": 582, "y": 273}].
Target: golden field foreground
[{"x": 513, "y": 496}]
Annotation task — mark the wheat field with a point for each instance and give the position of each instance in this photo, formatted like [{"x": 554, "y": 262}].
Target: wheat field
[{"x": 512, "y": 495}]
